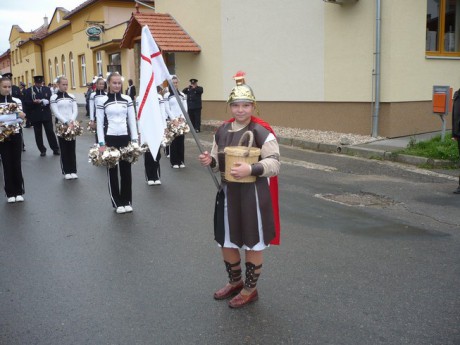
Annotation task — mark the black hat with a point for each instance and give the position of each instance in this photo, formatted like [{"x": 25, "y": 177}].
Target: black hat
[
  {"x": 193, "y": 80},
  {"x": 7, "y": 75},
  {"x": 38, "y": 78}
]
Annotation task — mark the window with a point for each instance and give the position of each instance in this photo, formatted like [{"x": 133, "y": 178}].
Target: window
[
  {"x": 114, "y": 63},
  {"x": 170, "y": 62},
  {"x": 63, "y": 65},
  {"x": 443, "y": 28},
  {"x": 56, "y": 63},
  {"x": 72, "y": 71},
  {"x": 99, "y": 63},
  {"x": 50, "y": 66},
  {"x": 83, "y": 70}
]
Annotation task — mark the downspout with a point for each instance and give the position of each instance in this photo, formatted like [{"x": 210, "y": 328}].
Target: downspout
[{"x": 375, "y": 115}]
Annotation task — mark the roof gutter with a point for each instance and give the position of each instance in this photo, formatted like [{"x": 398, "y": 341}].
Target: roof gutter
[{"x": 143, "y": 4}]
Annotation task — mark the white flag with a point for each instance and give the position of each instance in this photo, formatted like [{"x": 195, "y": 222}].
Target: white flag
[{"x": 153, "y": 73}]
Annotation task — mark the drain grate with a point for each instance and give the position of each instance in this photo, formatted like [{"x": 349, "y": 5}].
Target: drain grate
[{"x": 361, "y": 199}]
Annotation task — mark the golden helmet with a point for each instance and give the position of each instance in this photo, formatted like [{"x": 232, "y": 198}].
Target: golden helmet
[{"x": 241, "y": 92}]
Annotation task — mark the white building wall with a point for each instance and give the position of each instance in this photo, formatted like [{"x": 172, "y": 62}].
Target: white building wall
[
  {"x": 201, "y": 20},
  {"x": 310, "y": 50},
  {"x": 407, "y": 74},
  {"x": 279, "y": 44},
  {"x": 349, "y": 43}
]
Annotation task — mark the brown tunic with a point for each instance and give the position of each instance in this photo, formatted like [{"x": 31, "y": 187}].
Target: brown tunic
[{"x": 244, "y": 200}]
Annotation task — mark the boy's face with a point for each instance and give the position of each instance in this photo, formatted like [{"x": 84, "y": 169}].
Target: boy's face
[{"x": 242, "y": 111}]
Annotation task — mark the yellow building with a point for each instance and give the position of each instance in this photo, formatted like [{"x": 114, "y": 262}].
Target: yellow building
[{"x": 80, "y": 44}]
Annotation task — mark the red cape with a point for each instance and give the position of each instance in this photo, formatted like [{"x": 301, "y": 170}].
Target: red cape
[{"x": 273, "y": 187}]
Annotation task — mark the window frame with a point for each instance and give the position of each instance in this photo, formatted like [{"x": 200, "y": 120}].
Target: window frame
[
  {"x": 112, "y": 67},
  {"x": 63, "y": 65},
  {"x": 72, "y": 71},
  {"x": 50, "y": 68},
  {"x": 99, "y": 63},
  {"x": 442, "y": 21},
  {"x": 83, "y": 71}
]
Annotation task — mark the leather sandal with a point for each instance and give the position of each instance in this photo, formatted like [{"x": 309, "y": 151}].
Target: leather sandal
[
  {"x": 228, "y": 290},
  {"x": 250, "y": 282},
  {"x": 234, "y": 276},
  {"x": 241, "y": 300}
]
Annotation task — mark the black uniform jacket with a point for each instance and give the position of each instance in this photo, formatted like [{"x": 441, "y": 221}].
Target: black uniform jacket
[
  {"x": 193, "y": 97},
  {"x": 456, "y": 115},
  {"x": 37, "y": 112},
  {"x": 16, "y": 92}
]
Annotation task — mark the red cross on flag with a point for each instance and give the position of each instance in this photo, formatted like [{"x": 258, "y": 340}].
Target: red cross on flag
[{"x": 153, "y": 73}]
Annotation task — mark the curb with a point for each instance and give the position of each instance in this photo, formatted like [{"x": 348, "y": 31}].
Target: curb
[{"x": 362, "y": 152}]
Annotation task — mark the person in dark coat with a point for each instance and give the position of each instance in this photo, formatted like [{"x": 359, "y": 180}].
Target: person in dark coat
[
  {"x": 37, "y": 102},
  {"x": 131, "y": 90},
  {"x": 194, "y": 92},
  {"x": 456, "y": 127}
]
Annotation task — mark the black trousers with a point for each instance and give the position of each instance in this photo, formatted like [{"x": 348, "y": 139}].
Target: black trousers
[
  {"x": 10, "y": 152},
  {"x": 120, "y": 191},
  {"x": 195, "y": 118},
  {"x": 458, "y": 144},
  {"x": 49, "y": 131},
  {"x": 68, "y": 157},
  {"x": 152, "y": 168},
  {"x": 177, "y": 150}
]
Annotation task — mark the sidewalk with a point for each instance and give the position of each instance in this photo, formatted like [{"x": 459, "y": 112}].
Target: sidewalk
[{"x": 385, "y": 149}]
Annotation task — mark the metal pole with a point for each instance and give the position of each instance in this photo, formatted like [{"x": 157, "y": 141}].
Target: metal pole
[
  {"x": 443, "y": 132},
  {"x": 192, "y": 129},
  {"x": 375, "y": 115}
]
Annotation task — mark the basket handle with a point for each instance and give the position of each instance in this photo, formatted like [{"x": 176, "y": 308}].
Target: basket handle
[{"x": 250, "y": 141}]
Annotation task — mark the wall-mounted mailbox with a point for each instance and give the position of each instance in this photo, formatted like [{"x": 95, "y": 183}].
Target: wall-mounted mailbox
[
  {"x": 442, "y": 99},
  {"x": 442, "y": 103}
]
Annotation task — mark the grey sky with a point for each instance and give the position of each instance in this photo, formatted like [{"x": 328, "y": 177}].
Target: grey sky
[{"x": 28, "y": 14}]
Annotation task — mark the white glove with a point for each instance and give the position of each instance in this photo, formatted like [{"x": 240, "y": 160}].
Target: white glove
[{"x": 45, "y": 102}]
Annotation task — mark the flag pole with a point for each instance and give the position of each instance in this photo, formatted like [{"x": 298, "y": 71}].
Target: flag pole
[{"x": 192, "y": 129}]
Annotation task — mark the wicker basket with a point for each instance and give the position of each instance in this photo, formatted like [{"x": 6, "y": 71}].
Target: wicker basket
[{"x": 247, "y": 154}]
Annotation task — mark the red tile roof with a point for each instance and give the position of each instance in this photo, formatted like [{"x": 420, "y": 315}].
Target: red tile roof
[{"x": 168, "y": 34}]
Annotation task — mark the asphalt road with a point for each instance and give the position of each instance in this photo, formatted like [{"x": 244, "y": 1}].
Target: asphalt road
[{"x": 385, "y": 270}]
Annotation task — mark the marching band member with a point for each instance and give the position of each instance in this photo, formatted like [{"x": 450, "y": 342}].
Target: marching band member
[
  {"x": 117, "y": 111},
  {"x": 152, "y": 167},
  {"x": 173, "y": 110},
  {"x": 93, "y": 100},
  {"x": 65, "y": 109},
  {"x": 246, "y": 214},
  {"x": 37, "y": 100},
  {"x": 11, "y": 147}
]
